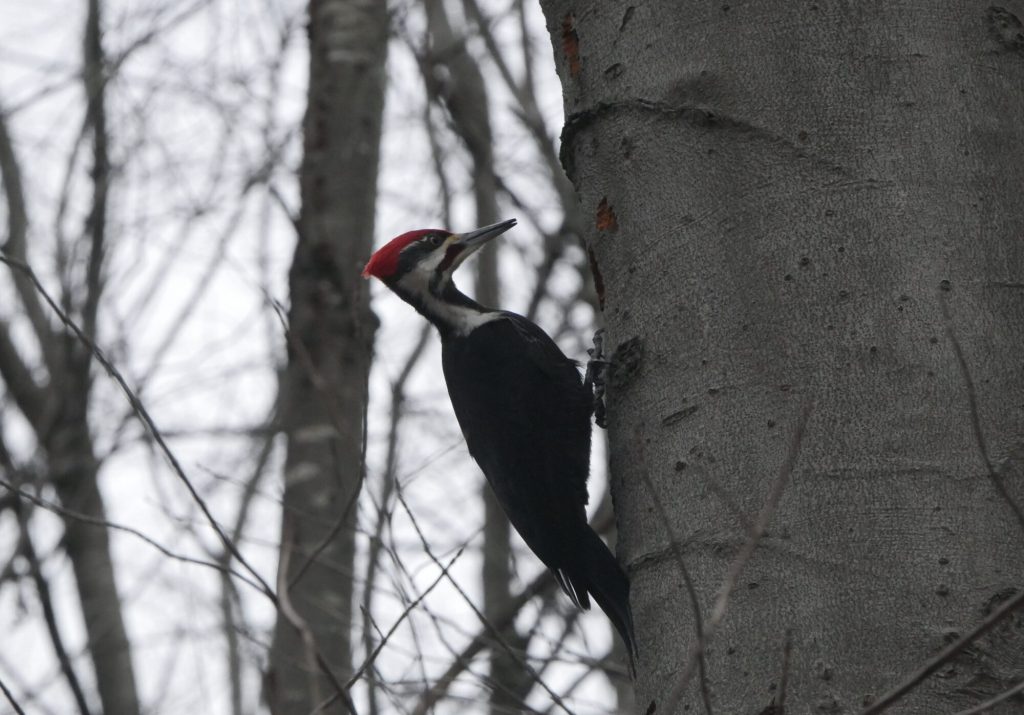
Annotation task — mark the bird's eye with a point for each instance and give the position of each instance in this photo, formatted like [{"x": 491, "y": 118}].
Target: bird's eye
[{"x": 434, "y": 240}]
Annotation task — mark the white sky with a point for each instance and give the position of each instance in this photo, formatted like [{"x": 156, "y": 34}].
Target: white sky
[{"x": 187, "y": 318}]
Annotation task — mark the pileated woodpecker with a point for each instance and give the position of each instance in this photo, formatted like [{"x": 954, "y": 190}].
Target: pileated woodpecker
[{"x": 523, "y": 409}]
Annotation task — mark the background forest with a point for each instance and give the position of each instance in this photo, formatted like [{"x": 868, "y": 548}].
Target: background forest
[
  {"x": 151, "y": 155},
  {"x": 230, "y": 477}
]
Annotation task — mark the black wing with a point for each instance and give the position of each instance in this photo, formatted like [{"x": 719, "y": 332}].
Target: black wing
[{"x": 526, "y": 418}]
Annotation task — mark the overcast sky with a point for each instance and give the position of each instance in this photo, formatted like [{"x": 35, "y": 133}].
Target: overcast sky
[{"x": 198, "y": 260}]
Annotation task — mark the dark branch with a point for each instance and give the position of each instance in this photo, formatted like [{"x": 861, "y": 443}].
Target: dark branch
[
  {"x": 43, "y": 589},
  {"x": 972, "y": 402},
  {"x": 10, "y": 698},
  {"x": 139, "y": 409},
  {"x": 947, "y": 654},
  {"x": 29, "y": 396}
]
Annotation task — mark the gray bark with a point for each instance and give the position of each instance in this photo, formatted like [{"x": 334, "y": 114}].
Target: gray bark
[
  {"x": 329, "y": 349},
  {"x": 783, "y": 195}
]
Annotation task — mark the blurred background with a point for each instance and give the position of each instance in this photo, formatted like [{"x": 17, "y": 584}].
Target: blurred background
[{"x": 152, "y": 156}]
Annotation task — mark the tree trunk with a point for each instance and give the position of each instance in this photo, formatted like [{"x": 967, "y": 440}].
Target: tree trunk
[
  {"x": 785, "y": 196},
  {"x": 329, "y": 350},
  {"x": 74, "y": 472},
  {"x": 74, "y": 467}
]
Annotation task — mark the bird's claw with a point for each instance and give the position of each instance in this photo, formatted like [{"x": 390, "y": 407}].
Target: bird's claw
[{"x": 597, "y": 371}]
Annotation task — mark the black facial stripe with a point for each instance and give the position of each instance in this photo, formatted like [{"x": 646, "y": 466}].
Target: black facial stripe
[
  {"x": 449, "y": 258},
  {"x": 411, "y": 255}
]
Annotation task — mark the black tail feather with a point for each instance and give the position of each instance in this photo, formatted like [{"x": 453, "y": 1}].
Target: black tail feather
[{"x": 600, "y": 574}]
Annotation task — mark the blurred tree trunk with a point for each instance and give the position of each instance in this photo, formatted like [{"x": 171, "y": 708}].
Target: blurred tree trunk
[
  {"x": 784, "y": 197},
  {"x": 329, "y": 349},
  {"x": 57, "y": 405},
  {"x": 464, "y": 93}
]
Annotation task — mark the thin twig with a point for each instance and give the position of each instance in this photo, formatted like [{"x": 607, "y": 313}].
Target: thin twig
[
  {"x": 288, "y": 610},
  {"x": 530, "y": 115},
  {"x": 746, "y": 552},
  {"x": 145, "y": 418},
  {"x": 949, "y": 652},
  {"x": 543, "y": 582},
  {"x": 763, "y": 518},
  {"x": 43, "y": 589},
  {"x": 314, "y": 659},
  {"x": 405, "y": 614},
  {"x": 389, "y": 480},
  {"x": 10, "y": 698},
  {"x": 494, "y": 632},
  {"x": 992, "y": 702},
  {"x": 229, "y": 594},
  {"x": 787, "y": 649},
  {"x": 691, "y": 590},
  {"x": 16, "y": 245},
  {"x": 972, "y": 401},
  {"x": 94, "y": 80},
  {"x": 86, "y": 519}
]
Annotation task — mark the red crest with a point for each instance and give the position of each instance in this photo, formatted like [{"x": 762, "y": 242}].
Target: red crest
[{"x": 384, "y": 262}]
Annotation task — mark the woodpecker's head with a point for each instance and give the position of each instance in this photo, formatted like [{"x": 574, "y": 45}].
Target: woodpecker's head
[{"x": 421, "y": 262}]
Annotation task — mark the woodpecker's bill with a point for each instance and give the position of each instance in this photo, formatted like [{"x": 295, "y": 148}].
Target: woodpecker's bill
[{"x": 523, "y": 410}]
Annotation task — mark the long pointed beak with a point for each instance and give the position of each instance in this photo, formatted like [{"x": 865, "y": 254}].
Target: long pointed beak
[{"x": 475, "y": 239}]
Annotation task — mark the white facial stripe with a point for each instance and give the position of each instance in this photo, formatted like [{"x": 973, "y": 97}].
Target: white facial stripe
[{"x": 462, "y": 318}]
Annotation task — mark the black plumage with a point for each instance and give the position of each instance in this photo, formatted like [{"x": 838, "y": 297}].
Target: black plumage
[
  {"x": 523, "y": 409},
  {"x": 525, "y": 415}
]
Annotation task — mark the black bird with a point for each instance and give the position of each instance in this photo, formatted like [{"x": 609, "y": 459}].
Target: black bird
[{"x": 523, "y": 409}]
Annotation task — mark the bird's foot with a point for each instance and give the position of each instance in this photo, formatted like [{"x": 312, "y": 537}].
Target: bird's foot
[{"x": 595, "y": 380}]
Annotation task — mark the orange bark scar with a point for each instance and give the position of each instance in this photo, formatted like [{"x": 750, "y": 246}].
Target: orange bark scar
[
  {"x": 606, "y": 219},
  {"x": 571, "y": 45}
]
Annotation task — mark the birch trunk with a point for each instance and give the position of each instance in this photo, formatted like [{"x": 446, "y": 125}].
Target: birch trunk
[{"x": 329, "y": 349}]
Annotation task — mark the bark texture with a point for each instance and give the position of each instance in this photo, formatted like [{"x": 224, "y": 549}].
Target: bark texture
[
  {"x": 783, "y": 196},
  {"x": 329, "y": 350}
]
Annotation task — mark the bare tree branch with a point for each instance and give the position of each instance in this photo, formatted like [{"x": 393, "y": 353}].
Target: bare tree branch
[
  {"x": 229, "y": 594},
  {"x": 408, "y": 609},
  {"x": 46, "y": 601},
  {"x": 387, "y": 491},
  {"x": 10, "y": 698},
  {"x": 972, "y": 401},
  {"x": 490, "y": 626},
  {"x": 314, "y": 657},
  {"x": 992, "y": 702},
  {"x": 531, "y": 118},
  {"x": 147, "y": 421},
  {"x": 697, "y": 651},
  {"x": 482, "y": 641},
  {"x": 947, "y": 654},
  {"x": 542, "y": 584},
  {"x": 86, "y": 519},
  {"x": 29, "y": 396},
  {"x": 744, "y": 556},
  {"x": 93, "y": 75},
  {"x": 16, "y": 245}
]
